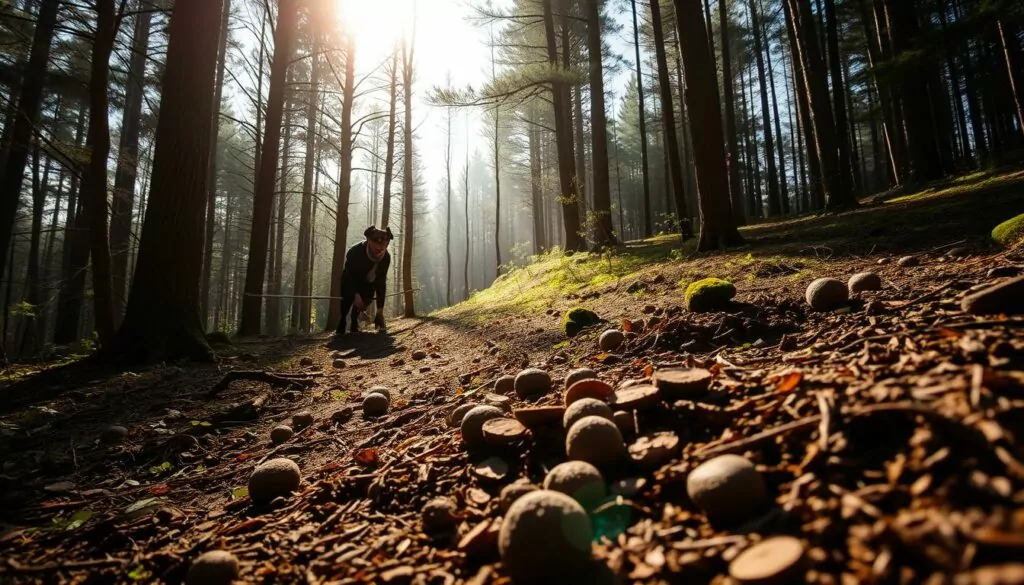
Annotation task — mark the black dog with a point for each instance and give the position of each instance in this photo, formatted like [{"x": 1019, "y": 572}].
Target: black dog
[{"x": 365, "y": 277}]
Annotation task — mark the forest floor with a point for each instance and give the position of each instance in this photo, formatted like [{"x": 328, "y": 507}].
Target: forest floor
[{"x": 887, "y": 432}]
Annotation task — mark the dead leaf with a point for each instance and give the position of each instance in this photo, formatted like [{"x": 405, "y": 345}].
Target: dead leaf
[
  {"x": 160, "y": 490},
  {"x": 248, "y": 526},
  {"x": 648, "y": 370},
  {"x": 627, "y": 325},
  {"x": 367, "y": 457},
  {"x": 789, "y": 381},
  {"x": 951, "y": 333}
]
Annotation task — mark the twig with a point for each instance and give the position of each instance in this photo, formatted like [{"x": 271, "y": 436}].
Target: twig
[
  {"x": 257, "y": 376},
  {"x": 962, "y": 325},
  {"x": 16, "y": 567},
  {"x": 949, "y": 245}
]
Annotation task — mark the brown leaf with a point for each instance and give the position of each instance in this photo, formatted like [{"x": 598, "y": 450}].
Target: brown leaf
[
  {"x": 789, "y": 381},
  {"x": 159, "y": 490},
  {"x": 648, "y": 370},
  {"x": 627, "y": 325},
  {"x": 367, "y": 456},
  {"x": 248, "y": 526}
]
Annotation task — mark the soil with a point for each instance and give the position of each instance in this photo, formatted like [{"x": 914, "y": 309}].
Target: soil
[{"x": 887, "y": 433}]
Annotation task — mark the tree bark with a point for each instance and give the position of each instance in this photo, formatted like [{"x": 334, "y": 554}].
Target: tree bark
[
  {"x": 1011, "y": 52},
  {"x": 389, "y": 158},
  {"x": 284, "y": 36},
  {"x": 774, "y": 200},
  {"x": 345, "y": 187},
  {"x": 448, "y": 211},
  {"x": 74, "y": 256},
  {"x": 667, "y": 111},
  {"x": 645, "y": 167},
  {"x": 408, "y": 52},
  {"x": 779, "y": 146},
  {"x": 30, "y": 340},
  {"x": 163, "y": 319},
  {"x": 839, "y": 106},
  {"x": 717, "y": 227},
  {"x": 563, "y": 136},
  {"x": 20, "y": 134},
  {"x": 276, "y": 272},
  {"x": 300, "y": 306},
  {"x": 128, "y": 163},
  {"x": 605, "y": 235},
  {"x": 735, "y": 186},
  {"x": 94, "y": 177}
]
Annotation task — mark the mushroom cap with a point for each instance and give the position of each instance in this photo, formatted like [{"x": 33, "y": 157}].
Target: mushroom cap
[
  {"x": 546, "y": 537},
  {"x": 273, "y": 478},
  {"x": 596, "y": 440}
]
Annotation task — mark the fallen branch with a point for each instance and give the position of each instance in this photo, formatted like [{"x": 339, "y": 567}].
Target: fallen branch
[
  {"x": 258, "y": 376},
  {"x": 16, "y": 567}
]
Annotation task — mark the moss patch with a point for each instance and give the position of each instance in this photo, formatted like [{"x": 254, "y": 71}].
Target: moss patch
[
  {"x": 709, "y": 294},
  {"x": 1009, "y": 232},
  {"x": 575, "y": 320}
]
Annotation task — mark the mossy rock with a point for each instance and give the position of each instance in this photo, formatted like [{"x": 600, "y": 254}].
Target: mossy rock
[
  {"x": 575, "y": 320},
  {"x": 1009, "y": 232},
  {"x": 709, "y": 294}
]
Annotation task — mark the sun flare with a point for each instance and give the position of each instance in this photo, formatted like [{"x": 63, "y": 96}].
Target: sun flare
[{"x": 377, "y": 25}]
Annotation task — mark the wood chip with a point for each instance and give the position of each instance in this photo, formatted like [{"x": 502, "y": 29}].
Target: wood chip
[
  {"x": 502, "y": 432},
  {"x": 636, "y": 398},
  {"x": 539, "y": 416},
  {"x": 682, "y": 383},
  {"x": 655, "y": 450},
  {"x": 491, "y": 469},
  {"x": 481, "y": 540},
  {"x": 589, "y": 388},
  {"x": 775, "y": 560}
]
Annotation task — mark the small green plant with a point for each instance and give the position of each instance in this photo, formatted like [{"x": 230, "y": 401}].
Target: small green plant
[{"x": 163, "y": 467}]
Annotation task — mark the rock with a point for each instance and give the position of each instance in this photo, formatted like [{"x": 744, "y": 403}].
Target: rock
[
  {"x": 514, "y": 491},
  {"x": 381, "y": 390},
  {"x": 652, "y": 322},
  {"x": 826, "y": 294},
  {"x": 579, "y": 374},
  {"x": 611, "y": 340},
  {"x": 375, "y": 404},
  {"x": 624, "y": 420},
  {"x": 1001, "y": 298},
  {"x": 281, "y": 433},
  {"x": 502, "y": 402},
  {"x": 505, "y": 384},
  {"x": 884, "y": 260},
  {"x": 216, "y": 567},
  {"x": 419, "y": 354},
  {"x": 589, "y": 388},
  {"x": 648, "y": 309},
  {"x": 864, "y": 281},
  {"x": 455, "y": 417},
  {"x": 583, "y": 408},
  {"x": 539, "y": 416},
  {"x": 439, "y": 516},
  {"x": 306, "y": 361},
  {"x": 491, "y": 469},
  {"x": 727, "y": 488},
  {"x": 682, "y": 383},
  {"x": 1008, "y": 233},
  {"x": 1003, "y": 271},
  {"x": 656, "y": 450},
  {"x": 532, "y": 382},
  {"x": 579, "y": 480},
  {"x": 473, "y": 423},
  {"x": 908, "y": 261},
  {"x": 709, "y": 294},
  {"x": 545, "y": 537},
  {"x": 272, "y": 479},
  {"x": 578, "y": 319},
  {"x": 637, "y": 397},
  {"x": 303, "y": 419},
  {"x": 776, "y": 560},
  {"x": 958, "y": 252},
  {"x": 114, "y": 434},
  {"x": 338, "y": 363},
  {"x": 502, "y": 432},
  {"x": 596, "y": 440}
]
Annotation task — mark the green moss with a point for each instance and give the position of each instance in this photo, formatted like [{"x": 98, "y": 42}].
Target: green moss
[
  {"x": 1009, "y": 232},
  {"x": 709, "y": 294},
  {"x": 575, "y": 320}
]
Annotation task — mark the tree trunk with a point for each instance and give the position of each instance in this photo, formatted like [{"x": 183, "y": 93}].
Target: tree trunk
[
  {"x": 300, "y": 288},
  {"x": 645, "y": 167},
  {"x": 389, "y": 158},
  {"x": 334, "y": 316},
  {"x": 284, "y": 36},
  {"x": 1011, "y": 52},
  {"x": 465, "y": 201},
  {"x": 839, "y": 106},
  {"x": 211, "y": 181},
  {"x": 20, "y": 134},
  {"x": 163, "y": 319},
  {"x": 30, "y": 340},
  {"x": 74, "y": 257},
  {"x": 273, "y": 310},
  {"x": 774, "y": 200},
  {"x": 717, "y": 228},
  {"x": 675, "y": 166},
  {"x": 94, "y": 177},
  {"x": 408, "y": 51},
  {"x": 128, "y": 163},
  {"x": 779, "y": 146},
  {"x": 735, "y": 186},
  {"x": 563, "y": 136},
  {"x": 605, "y": 234},
  {"x": 448, "y": 211}
]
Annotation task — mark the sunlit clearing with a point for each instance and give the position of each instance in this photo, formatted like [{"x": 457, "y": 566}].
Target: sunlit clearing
[{"x": 378, "y": 25}]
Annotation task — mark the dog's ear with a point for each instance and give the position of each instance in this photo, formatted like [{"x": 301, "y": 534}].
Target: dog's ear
[
  {"x": 391, "y": 236},
  {"x": 369, "y": 231}
]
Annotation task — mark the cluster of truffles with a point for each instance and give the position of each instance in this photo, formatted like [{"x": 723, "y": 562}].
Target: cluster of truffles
[{"x": 828, "y": 294}]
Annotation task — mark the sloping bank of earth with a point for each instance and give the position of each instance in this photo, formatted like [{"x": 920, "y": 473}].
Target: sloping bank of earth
[{"x": 872, "y": 441}]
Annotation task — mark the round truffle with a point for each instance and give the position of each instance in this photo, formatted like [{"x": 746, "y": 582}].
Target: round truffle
[
  {"x": 578, "y": 374},
  {"x": 578, "y": 479},
  {"x": 302, "y": 419},
  {"x": 545, "y": 538},
  {"x": 596, "y": 440},
  {"x": 505, "y": 384},
  {"x": 473, "y": 423},
  {"x": 375, "y": 404},
  {"x": 727, "y": 488},
  {"x": 610, "y": 340},
  {"x": 585, "y": 407},
  {"x": 455, "y": 418},
  {"x": 114, "y": 434},
  {"x": 826, "y": 294},
  {"x": 514, "y": 491},
  {"x": 909, "y": 261},
  {"x": 864, "y": 281},
  {"x": 216, "y": 567},
  {"x": 273, "y": 478},
  {"x": 532, "y": 382},
  {"x": 281, "y": 433},
  {"x": 439, "y": 515},
  {"x": 380, "y": 390}
]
